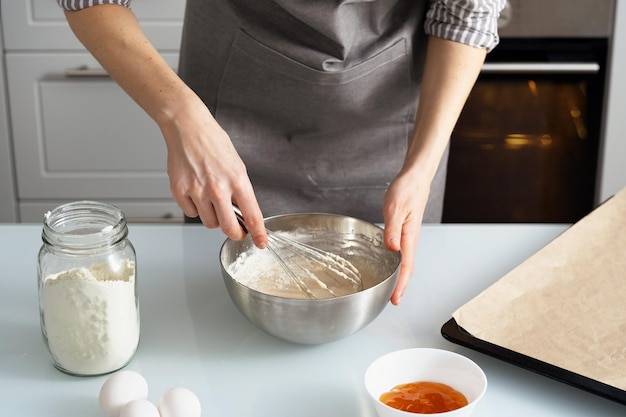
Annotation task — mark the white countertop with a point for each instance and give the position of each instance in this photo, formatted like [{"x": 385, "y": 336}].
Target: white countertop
[{"x": 193, "y": 336}]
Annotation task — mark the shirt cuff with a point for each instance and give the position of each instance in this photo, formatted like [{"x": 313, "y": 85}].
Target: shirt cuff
[
  {"x": 471, "y": 22},
  {"x": 83, "y": 4}
]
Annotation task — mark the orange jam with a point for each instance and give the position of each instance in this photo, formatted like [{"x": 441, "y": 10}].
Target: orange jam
[{"x": 424, "y": 397}]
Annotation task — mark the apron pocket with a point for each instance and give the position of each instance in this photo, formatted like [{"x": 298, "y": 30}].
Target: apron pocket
[{"x": 298, "y": 127}]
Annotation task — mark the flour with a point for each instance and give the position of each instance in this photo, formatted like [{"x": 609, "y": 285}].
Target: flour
[
  {"x": 261, "y": 271},
  {"x": 91, "y": 318}
]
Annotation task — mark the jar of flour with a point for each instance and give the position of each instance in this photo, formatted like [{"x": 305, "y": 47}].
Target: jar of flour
[{"x": 88, "y": 288}]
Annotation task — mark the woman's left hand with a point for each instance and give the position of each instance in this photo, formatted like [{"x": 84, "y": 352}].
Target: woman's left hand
[
  {"x": 450, "y": 71},
  {"x": 403, "y": 210}
]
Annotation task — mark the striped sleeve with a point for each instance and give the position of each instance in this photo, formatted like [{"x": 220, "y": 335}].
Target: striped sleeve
[
  {"x": 83, "y": 4},
  {"x": 471, "y": 22}
]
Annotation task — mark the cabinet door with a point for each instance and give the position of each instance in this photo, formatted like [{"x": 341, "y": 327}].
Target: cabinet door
[
  {"x": 80, "y": 137},
  {"x": 8, "y": 211},
  {"x": 40, "y": 24}
]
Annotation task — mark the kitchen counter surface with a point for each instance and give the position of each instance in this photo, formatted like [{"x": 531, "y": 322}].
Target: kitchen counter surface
[{"x": 193, "y": 336}]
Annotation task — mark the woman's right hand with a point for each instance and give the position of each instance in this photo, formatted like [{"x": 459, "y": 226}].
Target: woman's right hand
[{"x": 206, "y": 174}]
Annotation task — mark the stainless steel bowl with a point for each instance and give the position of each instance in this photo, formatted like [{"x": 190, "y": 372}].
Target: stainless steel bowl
[{"x": 316, "y": 321}]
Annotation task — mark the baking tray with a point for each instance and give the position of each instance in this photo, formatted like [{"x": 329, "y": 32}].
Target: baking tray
[{"x": 454, "y": 333}]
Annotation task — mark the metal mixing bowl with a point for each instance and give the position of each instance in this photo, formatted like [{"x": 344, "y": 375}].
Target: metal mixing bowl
[{"x": 316, "y": 321}]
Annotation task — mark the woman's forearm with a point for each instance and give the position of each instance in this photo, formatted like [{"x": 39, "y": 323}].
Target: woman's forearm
[
  {"x": 449, "y": 75},
  {"x": 113, "y": 36},
  {"x": 206, "y": 173}
]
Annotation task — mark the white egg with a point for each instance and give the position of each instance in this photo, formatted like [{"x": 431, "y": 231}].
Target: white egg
[
  {"x": 179, "y": 402},
  {"x": 120, "y": 388},
  {"x": 139, "y": 408}
]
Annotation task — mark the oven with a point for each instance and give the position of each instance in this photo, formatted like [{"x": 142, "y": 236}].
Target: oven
[{"x": 526, "y": 145}]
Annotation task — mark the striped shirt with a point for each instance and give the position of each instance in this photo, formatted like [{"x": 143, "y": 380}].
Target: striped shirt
[
  {"x": 83, "y": 4},
  {"x": 471, "y": 22}
]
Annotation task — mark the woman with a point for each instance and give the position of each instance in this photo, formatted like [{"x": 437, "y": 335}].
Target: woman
[{"x": 300, "y": 105}]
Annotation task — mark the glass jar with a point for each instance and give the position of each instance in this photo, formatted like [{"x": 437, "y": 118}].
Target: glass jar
[{"x": 88, "y": 300}]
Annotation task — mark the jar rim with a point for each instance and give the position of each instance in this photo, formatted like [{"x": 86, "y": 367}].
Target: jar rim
[{"x": 84, "y": 225}]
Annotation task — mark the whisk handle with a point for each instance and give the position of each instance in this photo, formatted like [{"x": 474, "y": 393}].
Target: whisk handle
[{"x": 239, "y": 216}]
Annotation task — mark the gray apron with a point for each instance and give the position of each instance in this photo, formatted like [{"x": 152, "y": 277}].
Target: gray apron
[{"x": 318, "y": 96}]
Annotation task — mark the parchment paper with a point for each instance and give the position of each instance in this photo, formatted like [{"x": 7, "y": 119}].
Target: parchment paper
[{"x": 566, "y": 304}]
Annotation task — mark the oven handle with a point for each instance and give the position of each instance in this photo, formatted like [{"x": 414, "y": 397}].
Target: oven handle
[{"x": 540, "y": 68}]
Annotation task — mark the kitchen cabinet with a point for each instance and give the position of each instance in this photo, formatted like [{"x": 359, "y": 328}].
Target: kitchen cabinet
[
  {"x": 8, "y": 210},
  {"x": 36, "y": 25},
  {"x": 75, "y": 133}
]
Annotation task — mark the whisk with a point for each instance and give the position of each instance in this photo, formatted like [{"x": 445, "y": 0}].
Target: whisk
[{"x": 299, "y": 261}]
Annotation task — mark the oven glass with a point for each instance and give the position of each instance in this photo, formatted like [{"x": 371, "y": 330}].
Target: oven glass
[{"x": 525, "y": 149}]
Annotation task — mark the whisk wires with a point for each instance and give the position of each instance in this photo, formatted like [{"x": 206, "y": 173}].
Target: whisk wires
[{"x": 306, "y": 263}]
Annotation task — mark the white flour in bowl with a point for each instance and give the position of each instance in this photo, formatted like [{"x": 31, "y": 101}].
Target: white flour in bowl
[
  {"x": 91, "y": 319},
  {"x": 261, "y": 271}
]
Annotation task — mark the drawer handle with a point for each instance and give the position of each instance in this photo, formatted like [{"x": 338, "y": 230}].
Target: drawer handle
[{"x": 86, "y": 72}]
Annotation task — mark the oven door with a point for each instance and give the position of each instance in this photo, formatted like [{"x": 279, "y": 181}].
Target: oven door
[{"x": 525, "y": 147}]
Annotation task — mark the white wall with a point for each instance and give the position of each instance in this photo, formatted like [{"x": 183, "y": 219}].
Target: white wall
[{"x": 613, "y": 158}]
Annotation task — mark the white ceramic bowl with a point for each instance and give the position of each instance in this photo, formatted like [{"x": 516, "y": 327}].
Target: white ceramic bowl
[{"x": 425, "y": 364}]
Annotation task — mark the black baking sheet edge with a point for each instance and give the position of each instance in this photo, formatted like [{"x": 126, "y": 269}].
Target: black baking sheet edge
[{"x": 454, "y": 333}]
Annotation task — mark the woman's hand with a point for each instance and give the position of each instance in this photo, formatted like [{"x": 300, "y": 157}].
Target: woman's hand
[
  {"x": 206, "y": 174},
  {"x": 403, "y": 210},
  {"x": 450, "y": 71}
]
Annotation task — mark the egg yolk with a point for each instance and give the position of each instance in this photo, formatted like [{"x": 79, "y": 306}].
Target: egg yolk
[{"x": 424, "y": 397}]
